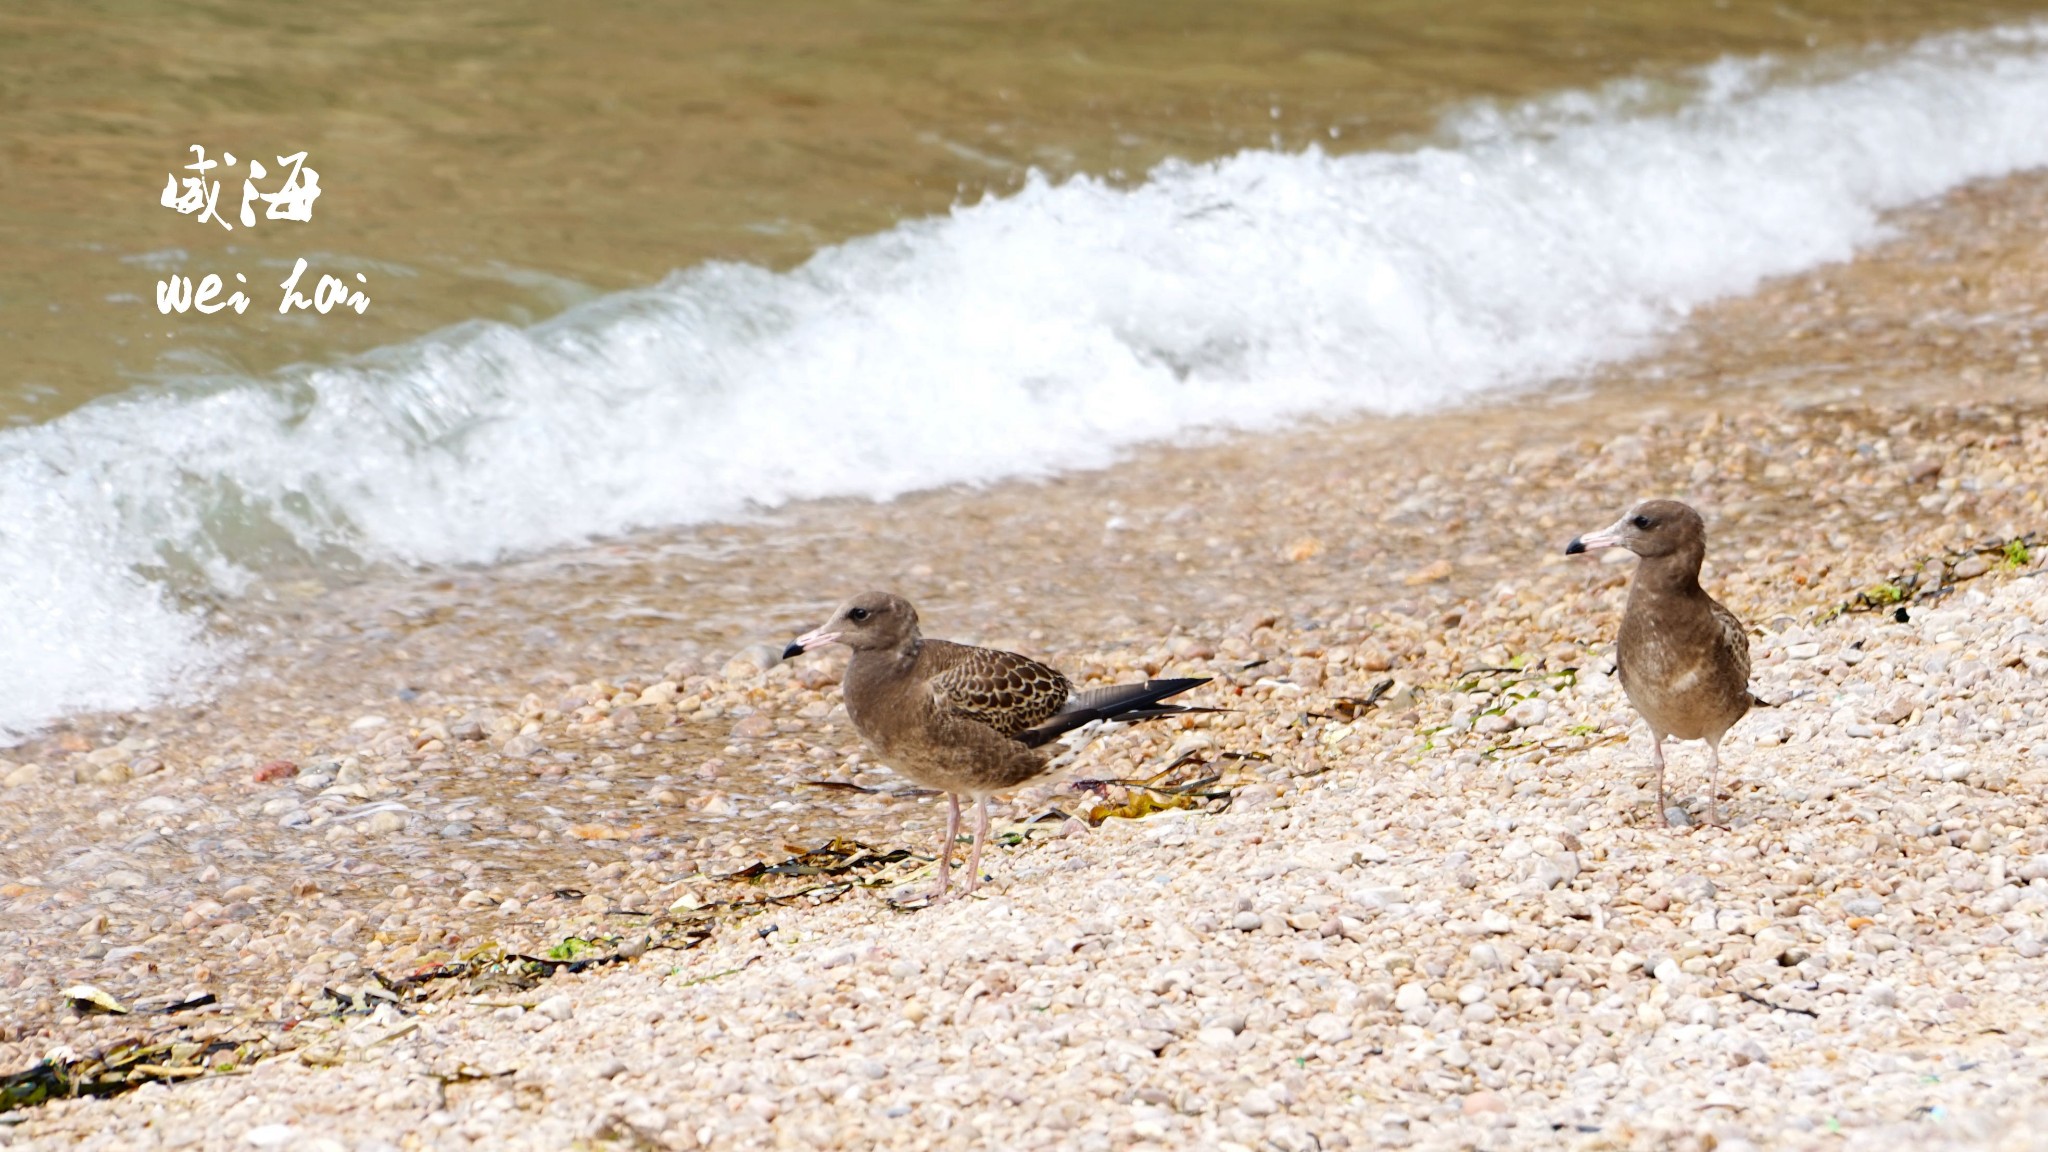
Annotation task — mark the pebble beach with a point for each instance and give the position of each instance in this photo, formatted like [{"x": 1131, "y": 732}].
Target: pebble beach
[{"x": 558, "y": 854}]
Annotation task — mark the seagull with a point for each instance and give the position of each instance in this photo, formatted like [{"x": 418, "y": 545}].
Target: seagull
[
  {"x": 1683, "y": 658},
  {"x": 967, "y": 721}
]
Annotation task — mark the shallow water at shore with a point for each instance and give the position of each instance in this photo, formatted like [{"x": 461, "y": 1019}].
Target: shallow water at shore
[{"x": 508, "y": 165}]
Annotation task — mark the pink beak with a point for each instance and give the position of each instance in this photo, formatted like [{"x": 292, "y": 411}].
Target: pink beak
[{"x": 815, "y": 638}]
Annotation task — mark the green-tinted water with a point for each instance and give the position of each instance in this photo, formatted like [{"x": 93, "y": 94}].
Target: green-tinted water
[{"x": 504, "y": 160}]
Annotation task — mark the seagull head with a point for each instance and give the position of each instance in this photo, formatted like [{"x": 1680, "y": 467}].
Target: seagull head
[
  {"x": 1651, "y": 529},
  {"x": 869, "y": 621}
]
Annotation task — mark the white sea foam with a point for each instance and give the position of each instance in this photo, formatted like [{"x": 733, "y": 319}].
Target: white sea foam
[{"x": 1041, "y": 331}]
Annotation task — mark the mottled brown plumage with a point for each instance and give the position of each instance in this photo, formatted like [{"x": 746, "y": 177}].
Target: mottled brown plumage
[
  {"x": 1007, "y": 692},
  {"x": 967, "y": 721},
  {"x": 1683, "y": 658}
]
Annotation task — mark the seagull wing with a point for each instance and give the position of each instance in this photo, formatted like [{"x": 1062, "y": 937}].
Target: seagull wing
[
  {"x": 1734, "y": 637},
  {"x": 1005, "y": 691}
]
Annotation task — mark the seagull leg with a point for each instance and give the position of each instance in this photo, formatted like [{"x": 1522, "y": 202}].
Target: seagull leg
[
  {"x": 1713, "y": 781},
  {"x": 946, "y": 847},
  {"x": 1657, "y": 758},
  {"x": 980, "y": 837}
]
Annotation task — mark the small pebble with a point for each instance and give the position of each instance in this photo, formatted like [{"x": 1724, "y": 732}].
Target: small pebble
[{"x": 1257, "y": 1103}]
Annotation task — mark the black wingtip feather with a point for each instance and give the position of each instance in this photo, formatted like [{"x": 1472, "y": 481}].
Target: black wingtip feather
[{"x": 1133, "y": 703}]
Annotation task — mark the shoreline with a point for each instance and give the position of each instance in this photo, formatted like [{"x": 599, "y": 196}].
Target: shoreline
[{"x": 466, "y": 773}]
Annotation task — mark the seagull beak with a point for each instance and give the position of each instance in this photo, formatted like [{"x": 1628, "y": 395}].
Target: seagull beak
[
  {"x": 809, "y": 640},
  {"x": 1594, "y": 541}
]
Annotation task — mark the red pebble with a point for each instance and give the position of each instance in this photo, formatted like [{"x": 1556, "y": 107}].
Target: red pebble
[{"x": 276, "y": 770}]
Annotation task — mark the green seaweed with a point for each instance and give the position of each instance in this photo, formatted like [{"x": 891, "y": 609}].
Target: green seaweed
[
  {"x": 1935, "y": 577},
  {"x": 572, "y": 948}
]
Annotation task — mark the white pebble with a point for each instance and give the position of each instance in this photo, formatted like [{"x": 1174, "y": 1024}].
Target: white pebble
[{"x": 1329, "y": 1028}]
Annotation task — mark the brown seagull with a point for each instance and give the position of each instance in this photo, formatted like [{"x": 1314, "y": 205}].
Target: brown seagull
[
  {"x": 1683, "y": 658},
  {"x": 967, "y": 721}
]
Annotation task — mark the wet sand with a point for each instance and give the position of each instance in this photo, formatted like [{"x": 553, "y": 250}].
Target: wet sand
[{"x": 422, "y": 764}]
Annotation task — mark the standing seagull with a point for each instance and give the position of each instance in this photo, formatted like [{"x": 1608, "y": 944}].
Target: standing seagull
[
  {"x": 968, "y": 721},
  {"x": 1683, "y": 658}
]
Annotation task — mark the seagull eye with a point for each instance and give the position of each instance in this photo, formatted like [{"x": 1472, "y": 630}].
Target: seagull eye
[
  {"x": 856, "y": 614},
  {"x": 1640, "y": 521}
]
